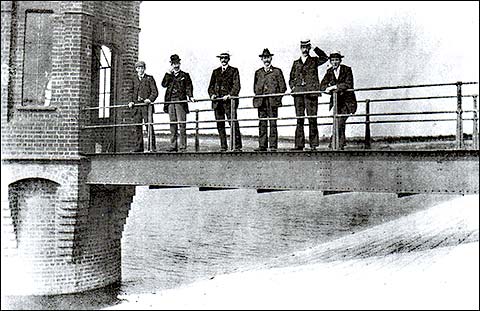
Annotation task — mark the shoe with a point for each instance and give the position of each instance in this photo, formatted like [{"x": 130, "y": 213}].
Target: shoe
[
  {"x": 260, "y": 149},
  {"x": 297, "y": 148},
  {"x": 182, "y": 150},
  {"x": 223, "y": 149},
  {"x": 172, "y": 149},
  {"x": 237, "y": 150},
  {"x": 273, "y": 149}
]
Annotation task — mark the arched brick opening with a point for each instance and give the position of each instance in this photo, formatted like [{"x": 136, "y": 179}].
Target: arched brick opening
[{"x": 32, "y": 203}]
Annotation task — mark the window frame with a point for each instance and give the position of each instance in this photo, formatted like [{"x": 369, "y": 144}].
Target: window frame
[
  {"x": 34, "y": 102},
  {"x": 104, "y": 71}
]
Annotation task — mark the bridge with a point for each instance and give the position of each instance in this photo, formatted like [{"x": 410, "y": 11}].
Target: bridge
[{"x": 361, "y": 167}]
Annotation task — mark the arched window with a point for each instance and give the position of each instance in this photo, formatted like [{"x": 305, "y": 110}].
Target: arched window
[{"x": 105, "y": 82}]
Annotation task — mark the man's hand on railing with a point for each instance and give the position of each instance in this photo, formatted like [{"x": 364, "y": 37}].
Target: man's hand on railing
[
  {"x": 226, "y": 97},
  {"x": 131, "y": 104},
  {"x": 191, "y": 99},
  {"x": 213, "y": 96},
  {"x": 331, "y": 88},
  {"x": 147, "y": 101}
]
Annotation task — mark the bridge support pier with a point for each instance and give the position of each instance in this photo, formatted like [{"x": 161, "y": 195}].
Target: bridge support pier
[{"x": 59, "y": 235}]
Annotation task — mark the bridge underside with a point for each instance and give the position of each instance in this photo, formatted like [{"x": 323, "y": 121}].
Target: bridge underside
[{"x": 403, "y": 172}]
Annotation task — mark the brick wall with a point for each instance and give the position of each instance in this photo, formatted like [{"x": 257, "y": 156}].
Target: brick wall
[
  {"x": 54, "y": 132},
  {"x": 66, "y": 234},
  {"x": 60, "y": 234}
]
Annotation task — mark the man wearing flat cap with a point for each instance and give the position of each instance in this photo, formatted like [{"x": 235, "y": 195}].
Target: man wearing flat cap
[
  {"x": 144, "y": 92},
  {"x": 225, "y": 83},
  {"x": 339, "y": 78},
  {"x": 180, "y": 90},
  {"x": 304, "y": 78},
  {"x": 268, "y": 80}
]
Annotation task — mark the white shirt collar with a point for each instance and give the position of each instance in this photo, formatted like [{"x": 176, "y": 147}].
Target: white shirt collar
[
  {"x": 336, "y": 72},
  {"x": 224, "y": 68},
  {"x": 268, "y": 69},
  {"x": 304, "y": 58}
]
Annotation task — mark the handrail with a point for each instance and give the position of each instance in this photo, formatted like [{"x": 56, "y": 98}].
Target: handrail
[
  {"x": 378, "y": 100},
  {"x": 233, "y": 120},
  {"x": 290, "y": 94},
  {"x": 278, "y": 118}
]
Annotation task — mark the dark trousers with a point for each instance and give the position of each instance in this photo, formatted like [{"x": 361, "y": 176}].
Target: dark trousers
[
  {"x": 177, "y": 113},
  {"x": 141, "y": 116},
  {"x": 341, "y": 122},
  {"x": 267, "y": 111},
  {"x": 221, "y": 111},
  {"x": 310, "y": 104}
]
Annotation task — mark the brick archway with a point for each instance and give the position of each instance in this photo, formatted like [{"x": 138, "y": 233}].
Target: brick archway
[{"x": 32, "y": 203}]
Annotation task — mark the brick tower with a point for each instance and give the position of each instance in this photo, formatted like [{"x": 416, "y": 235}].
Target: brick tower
[{"x": 60, "y": 234}]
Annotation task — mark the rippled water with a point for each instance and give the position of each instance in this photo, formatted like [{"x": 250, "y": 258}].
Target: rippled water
[{"x": 176, "y": 236}]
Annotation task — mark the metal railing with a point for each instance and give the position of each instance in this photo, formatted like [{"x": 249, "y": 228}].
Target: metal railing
[{"x": 459, "y": 135}]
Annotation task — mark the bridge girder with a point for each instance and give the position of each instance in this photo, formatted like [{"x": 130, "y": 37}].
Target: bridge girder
[{"x": 426, "y": 171}]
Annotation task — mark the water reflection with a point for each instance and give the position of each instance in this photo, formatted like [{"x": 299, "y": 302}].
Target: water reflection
[
  {"x": 176, "y": 236},
  {"x": 179, "y": 236},
  {"x": 88, "y": 300}
]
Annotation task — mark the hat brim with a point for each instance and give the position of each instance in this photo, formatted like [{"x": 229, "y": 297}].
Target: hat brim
[
  {"x": 335, "y": 56},
  {"x": 220, "y": 56},
  {"x": 262, "y": 55}
]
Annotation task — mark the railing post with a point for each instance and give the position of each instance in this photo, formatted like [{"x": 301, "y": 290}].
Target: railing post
[
  {"x": 475, "y": 123},
  {"x": 459, "y": 135},
  {"x": 150, "y": 126},
  {"x": 197, "y": 141},
  {"x": 114, "y": 130},
  {"x": 368, "y": 138},
  {"x": 232, "y": 124},
  {"x": 335, "y": 138}
]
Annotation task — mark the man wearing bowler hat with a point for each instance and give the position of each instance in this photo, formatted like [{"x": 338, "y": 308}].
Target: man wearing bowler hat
[
  {"x": 224, "y": 83},
  {"x": 304, "y": 78},
  {"x": 144, "y": 92},
  {"x": 268, "y": 80},
  {"x": 179, "y": 89},
  {"x": 339, "y": 78}
]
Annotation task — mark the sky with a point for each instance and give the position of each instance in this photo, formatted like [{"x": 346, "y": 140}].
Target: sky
[{"x": 394, "y": 43}]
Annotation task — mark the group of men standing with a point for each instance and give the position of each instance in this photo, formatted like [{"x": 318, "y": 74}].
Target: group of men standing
[{"x": 225, "y": 84}]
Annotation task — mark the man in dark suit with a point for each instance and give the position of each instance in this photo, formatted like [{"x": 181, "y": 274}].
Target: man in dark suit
[
  {"x": 179, "y": 88},
  {"x": 224, "y": 83},
  {"x": 304, "y": 78},
  {"x": 144, "y": 92},
  {"x": 268, "y": 80},
  {"x": 339, "y": 78}
]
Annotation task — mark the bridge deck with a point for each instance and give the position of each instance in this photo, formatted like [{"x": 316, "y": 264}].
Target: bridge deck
[{"x": 399, "y": 171}]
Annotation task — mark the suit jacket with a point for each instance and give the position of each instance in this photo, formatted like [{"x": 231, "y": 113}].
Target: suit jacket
[
  {"x": 224, "y": 83},
  {"x": 269, "y": 83},
  {"x": 304, "y": 76},
  {"x": 346, "y": 100},
  {"x": 143, "y": 89},
  {"x": 178, "y": 88}
]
